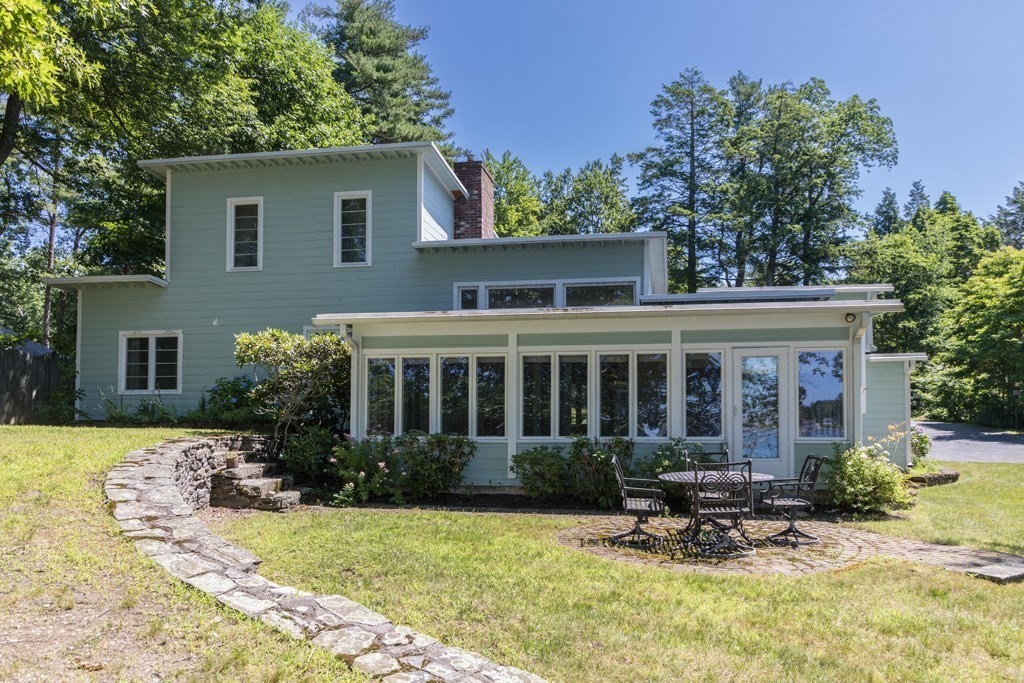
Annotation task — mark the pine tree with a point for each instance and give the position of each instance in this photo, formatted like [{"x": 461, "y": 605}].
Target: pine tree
[
  {"x": 918, "y": 199},
  {"x": 886, "y": 219},
  {"x": 378, "y": 65},
  {"x": 1009, "y": 219}
]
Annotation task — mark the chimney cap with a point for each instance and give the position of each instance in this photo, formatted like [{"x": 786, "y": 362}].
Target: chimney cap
[{"x": 469, "y": 156}]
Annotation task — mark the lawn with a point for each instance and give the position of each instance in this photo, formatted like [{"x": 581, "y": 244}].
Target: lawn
[
  {"x": 984, "y": 509},
  {"x": 77, "y": 602},
  {"x": 502, "y": 585}
]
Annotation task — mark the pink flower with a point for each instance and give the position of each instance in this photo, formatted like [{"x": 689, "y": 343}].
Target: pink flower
[
  {"x": 380, "y": 465},
  {"x": 332, "y": 460}
]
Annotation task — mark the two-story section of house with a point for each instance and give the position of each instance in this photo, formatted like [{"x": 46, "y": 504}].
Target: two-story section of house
[{"x": 514, "y": 342}]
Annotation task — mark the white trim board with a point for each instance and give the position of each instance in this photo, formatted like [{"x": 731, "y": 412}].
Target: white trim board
[
  {"x": 122, "y": 357},
  {"x": 230, "y": 254}
]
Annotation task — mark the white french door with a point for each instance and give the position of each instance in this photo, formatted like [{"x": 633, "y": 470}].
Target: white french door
[{"x": 760, "y": 401}]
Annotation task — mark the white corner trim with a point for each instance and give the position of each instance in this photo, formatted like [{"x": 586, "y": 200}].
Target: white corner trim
[
  {"x": 357, "y": 194},
  {"x": 167, "y": 227},
  {"x": 230, "y": 260},
  {"x": 122, "y": 357}
]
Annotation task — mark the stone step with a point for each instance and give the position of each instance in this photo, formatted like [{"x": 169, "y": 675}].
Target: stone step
[
  {"x": 259, "y": 487},
  {"x": 249, "y": 470},
  {"x": 278, "y": 502}
]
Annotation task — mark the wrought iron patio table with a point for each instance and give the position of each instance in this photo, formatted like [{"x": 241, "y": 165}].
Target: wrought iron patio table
[{"x": 693, "y": 536}]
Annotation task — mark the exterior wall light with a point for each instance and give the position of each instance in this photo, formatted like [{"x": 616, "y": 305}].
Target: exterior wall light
[{"x": 850, "y": 317}]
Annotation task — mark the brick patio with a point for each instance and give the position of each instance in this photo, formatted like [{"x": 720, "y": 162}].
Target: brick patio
[{"x": 840, "y": 547}]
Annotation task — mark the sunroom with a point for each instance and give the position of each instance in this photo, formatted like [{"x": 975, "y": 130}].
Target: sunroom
[{"x": 774, "y": 379}]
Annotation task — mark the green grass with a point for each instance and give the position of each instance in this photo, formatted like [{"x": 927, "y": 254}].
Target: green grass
[
  {"x": 75, "y": 595},
  {"x": 984, "y": 509},
  {"x": 501, "y": 585}
]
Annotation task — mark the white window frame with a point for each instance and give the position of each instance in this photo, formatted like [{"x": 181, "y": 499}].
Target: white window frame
[
  {"x": 122, "y": 361},
  {"x": 594, "y": 390},
  {"x": 796, "y": 393},
  {"x": 355, "y": 194},
  {"x": 559, "y": 287},
  {"x": 722, "y": 388},
  {"x": 232, "y": 203},
  {"x": 435, "y": 387}
]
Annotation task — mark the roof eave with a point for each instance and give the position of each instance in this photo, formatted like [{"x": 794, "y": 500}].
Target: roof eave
[
  {"x": 540, "y": 240},
  {"x": 761, "y": 308},
  {"x": 73, "y": 283}
]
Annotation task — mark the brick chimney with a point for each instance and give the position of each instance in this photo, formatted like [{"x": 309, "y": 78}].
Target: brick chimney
[{"x": 474, "y": 217}]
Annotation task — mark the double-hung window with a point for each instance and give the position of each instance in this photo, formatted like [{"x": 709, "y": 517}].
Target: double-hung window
[
  {"x": 245, "y": 233},
  {"x": 150, "y": 362},
  {"x": 353, "y": 223}
]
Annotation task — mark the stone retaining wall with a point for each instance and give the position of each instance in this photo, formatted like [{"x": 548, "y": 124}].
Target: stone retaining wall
[{"x": 153, "y": 494}]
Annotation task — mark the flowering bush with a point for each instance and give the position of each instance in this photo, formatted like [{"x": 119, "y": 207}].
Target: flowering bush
[
  {"x": 920, "y": 443},
  {"x": 864, "y": 479},
  {"x": 400, "y": 468},
  {"x": 308, "y": 456}
]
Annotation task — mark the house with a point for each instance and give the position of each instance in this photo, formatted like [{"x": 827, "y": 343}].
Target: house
[{"x": 513, "y": 341}]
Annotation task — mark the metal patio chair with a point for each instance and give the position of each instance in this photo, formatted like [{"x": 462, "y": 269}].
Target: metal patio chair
[
  {"x": 642, "y": 499},
  {"x": 722, "y": 498},
  {"x": 789, "y": 496}
]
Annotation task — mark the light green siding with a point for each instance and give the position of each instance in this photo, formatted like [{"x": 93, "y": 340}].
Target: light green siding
[
  {"x": 887, "y": 405},
  {"x": 811, "y": 334},
  {"x": 595, "y": 338},
  {"x": 438, "y": 209},
  {"x": 490, "y": 465},
  {"x": 434, "y": 342},
  {"x": 298, "y": 279}
]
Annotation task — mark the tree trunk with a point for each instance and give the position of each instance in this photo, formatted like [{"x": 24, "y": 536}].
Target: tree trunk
[
  {"x": 9, "y": 128},
  {"x": 691, "y": 206},
  {"x": 51, "y": 244}
]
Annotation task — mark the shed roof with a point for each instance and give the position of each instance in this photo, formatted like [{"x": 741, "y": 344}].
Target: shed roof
[{"x": 397, "y": 150}]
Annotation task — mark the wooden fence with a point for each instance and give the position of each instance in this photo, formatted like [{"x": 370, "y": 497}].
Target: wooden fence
[{"x": 25, "y": 380}]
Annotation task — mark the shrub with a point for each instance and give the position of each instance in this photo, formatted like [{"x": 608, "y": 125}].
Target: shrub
[
  {"x": 309, "y": 454},
  {"x": 433, "y": 463},
  {"x": 863, "y": 479},
  {"x": 229, "y": 402},
  {"x": 411, "y": 466},
  {"x": 676, "y": 456},
  {"x": 591, "y": 476},
  {"x": 920, "y": 443},
  {"x": 304, "y": 380},
  {"x": 543, "y": 473}
]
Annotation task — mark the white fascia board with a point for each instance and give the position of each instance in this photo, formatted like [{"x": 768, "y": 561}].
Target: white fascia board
[
  {"x": 432, "y": 154},
  {"x": 85, "y": 280},
  {"x": 896, "y": 357},
  {"x": 613, "y": 312},
  {"x": 541, "y": 240},
  {"x": 867, "y": 289}
]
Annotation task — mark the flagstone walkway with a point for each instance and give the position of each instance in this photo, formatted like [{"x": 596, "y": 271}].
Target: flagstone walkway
[{"x": 840, "y": 547}]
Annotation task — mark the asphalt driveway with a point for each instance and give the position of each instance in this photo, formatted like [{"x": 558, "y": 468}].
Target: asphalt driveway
[{"x": 971, "y": 443}]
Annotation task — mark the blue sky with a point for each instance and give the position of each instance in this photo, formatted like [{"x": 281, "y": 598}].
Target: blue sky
[{"x": 560, "y": 83}]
